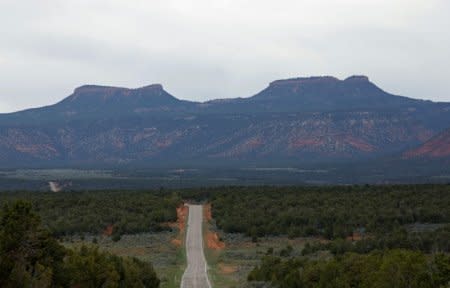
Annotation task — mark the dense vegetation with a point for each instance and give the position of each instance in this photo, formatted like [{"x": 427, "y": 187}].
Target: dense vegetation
[
  {"x": 31, "y": 257},
  {"x": 434, "y": 241},
  {"x": 373, "y": 236},
  {"x": 330, "y": 212},
  {"x": 391, "y": 268},
  {"x": 92, "y": 212}
]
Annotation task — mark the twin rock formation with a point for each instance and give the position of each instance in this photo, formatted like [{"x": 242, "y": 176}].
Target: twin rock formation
[{"x": 300, "y": 120}]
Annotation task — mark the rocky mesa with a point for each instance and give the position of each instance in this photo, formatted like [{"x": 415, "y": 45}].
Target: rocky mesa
[{"x": 308, "y": 119}]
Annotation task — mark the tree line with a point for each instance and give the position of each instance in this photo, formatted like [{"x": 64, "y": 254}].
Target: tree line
[
  {"x": 371, "y": 236},
  {"x": 390, "y": 268},
  {"x": 329, "y": 212},
  {"x": 127, "y": 212},
  {"x": 31, "y": 257}
]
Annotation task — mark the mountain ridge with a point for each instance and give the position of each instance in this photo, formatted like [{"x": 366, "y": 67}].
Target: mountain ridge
[
  {"x": 305, "y": 119},
  {"x": 108, "y": 90}
]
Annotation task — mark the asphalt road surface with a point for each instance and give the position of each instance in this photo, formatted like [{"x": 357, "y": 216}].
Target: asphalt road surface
[{"x": 195, "y": 275}]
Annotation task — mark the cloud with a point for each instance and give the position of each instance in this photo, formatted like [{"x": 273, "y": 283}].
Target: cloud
[
  {"x": 207, "y": 49},
  {"x": 5, "y": 106}
]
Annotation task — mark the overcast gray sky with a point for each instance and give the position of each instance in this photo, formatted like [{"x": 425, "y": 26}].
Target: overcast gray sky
[{"x": 207, "y": 49}]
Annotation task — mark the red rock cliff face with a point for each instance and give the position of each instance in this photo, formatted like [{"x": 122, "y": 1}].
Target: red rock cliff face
[
  {"x": 437, "y": 147},
  {"x": 299, "y": 119}
]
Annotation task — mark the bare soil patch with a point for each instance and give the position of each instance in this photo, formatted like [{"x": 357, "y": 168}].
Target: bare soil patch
[
  {"x": 213, "y": 241},
  {"x": 227, "y": 269},
  {"x": 182, "y": 213}
]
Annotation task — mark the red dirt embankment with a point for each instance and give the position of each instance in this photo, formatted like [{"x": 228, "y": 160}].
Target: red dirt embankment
[
  {"x": 182, "y": 212},
  {"x": 208, "y": 213},
  {"x": 213, "y": 241},
  {"x": 212, "y": 238}
]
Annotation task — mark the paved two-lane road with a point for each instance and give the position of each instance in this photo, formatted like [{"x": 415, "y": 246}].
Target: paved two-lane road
[{"x": 195, "y": 275}]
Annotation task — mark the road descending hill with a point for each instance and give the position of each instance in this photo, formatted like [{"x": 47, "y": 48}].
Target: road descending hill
[{"x": 196, "y": 275}]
